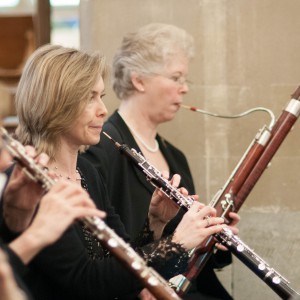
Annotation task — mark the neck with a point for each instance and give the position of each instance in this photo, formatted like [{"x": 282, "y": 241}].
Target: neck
[
  {"x": 138, "y": 119},
  {"x": 144, "y": 136},
  {"x": 64, "y": 164}
]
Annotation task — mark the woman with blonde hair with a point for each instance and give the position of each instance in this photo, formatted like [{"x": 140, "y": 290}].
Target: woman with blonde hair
[
  {"x": 65, "y": 201},
  {"x": 60, "y": 106}
]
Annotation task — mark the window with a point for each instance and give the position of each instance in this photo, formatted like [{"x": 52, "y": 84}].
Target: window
[
  {"x": 64, "y": 2},
  {"x": 65, "y": 22},
  {"x": 9, "y": 3}
]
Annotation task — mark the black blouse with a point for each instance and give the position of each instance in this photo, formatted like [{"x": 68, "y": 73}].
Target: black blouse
[
  {"x": 65, "y": 270},
  {"x": 130, "y": 192},
  {"x": 18, "y": 268}
]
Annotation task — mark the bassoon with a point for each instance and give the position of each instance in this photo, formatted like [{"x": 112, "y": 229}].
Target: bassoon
[
  {"x": 238, "y": 187},
  {"x": 270, "y": 276},
  {"x": 156, "y": 284}
]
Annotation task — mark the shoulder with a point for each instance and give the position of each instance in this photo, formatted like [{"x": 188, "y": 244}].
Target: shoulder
[
  {"x": 85, "y": 165},
  {"x": 90, "y": 173},
  {"x": 178, "y": 163},
  {"x": 116, "y": 128},
  {"x": 175, "y": 152},
  {"x": 96, "y": 186}
]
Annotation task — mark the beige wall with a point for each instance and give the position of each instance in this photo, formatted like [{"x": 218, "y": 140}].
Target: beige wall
[{"x": 248, "y": 55}]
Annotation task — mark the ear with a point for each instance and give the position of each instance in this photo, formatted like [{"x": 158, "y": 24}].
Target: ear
[{"x": 138, "y": 82}]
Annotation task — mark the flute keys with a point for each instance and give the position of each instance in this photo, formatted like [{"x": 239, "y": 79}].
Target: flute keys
[
  {"x": 136, "y": 265},
  {"x": 112, "y": 243},
  {"x": 153, "y": 281}
]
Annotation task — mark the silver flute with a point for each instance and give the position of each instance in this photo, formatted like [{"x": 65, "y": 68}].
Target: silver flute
[
  {"x": 272, "y": 278},
  {"x": 156, "y": 284}
]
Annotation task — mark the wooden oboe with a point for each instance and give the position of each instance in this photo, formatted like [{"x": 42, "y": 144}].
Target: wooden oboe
[
  {"x": 117, "y": 246},
  {"x": 277, "y": 282}
]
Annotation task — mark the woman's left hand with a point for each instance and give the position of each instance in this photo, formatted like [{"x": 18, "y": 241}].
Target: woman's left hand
[{"x": 162, "y": 209}]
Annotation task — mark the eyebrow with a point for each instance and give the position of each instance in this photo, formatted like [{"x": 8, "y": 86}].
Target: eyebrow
[
  {"x": 95, "y": 92},
  {"x": 178, "y": 73}
]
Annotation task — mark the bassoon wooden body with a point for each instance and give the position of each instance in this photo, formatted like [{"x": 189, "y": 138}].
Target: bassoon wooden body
[
  {"x": 238, "y": 187},
  {"x": 269, "y": 275}
]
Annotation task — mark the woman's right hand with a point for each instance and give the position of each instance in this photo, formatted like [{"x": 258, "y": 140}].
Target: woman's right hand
[
  {"x": 196, "y": 226},
  {"x": 65, "y": 202},
  {"x": 59, "y": 208},
  {"x": 22, "y": 195}
]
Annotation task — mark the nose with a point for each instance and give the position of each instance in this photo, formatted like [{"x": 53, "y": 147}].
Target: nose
[
  {"x": 184, "y": 88},
  {"x": 101, "y": 109}
]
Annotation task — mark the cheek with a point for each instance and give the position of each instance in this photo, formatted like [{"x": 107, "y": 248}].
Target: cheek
[
  {"x": 164, "y": 93},
  {"x": 168, "y": 95},
  {"x": 85, "y": 118},
  {"x": 76, "y": 126}
]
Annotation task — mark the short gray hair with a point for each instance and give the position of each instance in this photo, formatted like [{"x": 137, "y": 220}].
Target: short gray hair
[{"x": 147, "y": 50}]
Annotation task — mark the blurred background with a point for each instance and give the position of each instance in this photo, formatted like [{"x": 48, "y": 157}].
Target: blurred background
[
  {"x": 25, "y": 25},
  {"x": 247, "y": 55}
]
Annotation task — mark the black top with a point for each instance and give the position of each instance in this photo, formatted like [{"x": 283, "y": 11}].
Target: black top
[
  {"x": 130, "y": 192},
  {"x": 65, "y": 270}
]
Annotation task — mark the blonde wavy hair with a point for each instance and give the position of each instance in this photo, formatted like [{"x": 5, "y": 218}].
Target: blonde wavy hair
[{"x": 53, "y": 90}]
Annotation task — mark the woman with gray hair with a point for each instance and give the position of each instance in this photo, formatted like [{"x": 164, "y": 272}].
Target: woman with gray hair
[{"x": 149, "y": 76}]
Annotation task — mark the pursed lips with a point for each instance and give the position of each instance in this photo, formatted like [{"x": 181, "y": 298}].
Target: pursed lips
[{"x": 177, "y": 104}]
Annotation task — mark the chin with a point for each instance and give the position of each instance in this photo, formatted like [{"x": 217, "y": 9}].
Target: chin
[
  {"x": 93, "y": 140},
  {"x": 170, "y": 117}
]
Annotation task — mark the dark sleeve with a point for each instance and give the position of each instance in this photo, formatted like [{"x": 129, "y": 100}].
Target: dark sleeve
[
  {"x": 161, "y": 254},
  {"x": 67, "y": 261},
  {"x": 98, "y": 191},
  {"x": 222, "y": 259},
  {"x": 68, "y": 266},
  {"x": 6, "y": 234},
  {"x": 14, "y": 260},
  {"x": 18, "y": 268}
]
